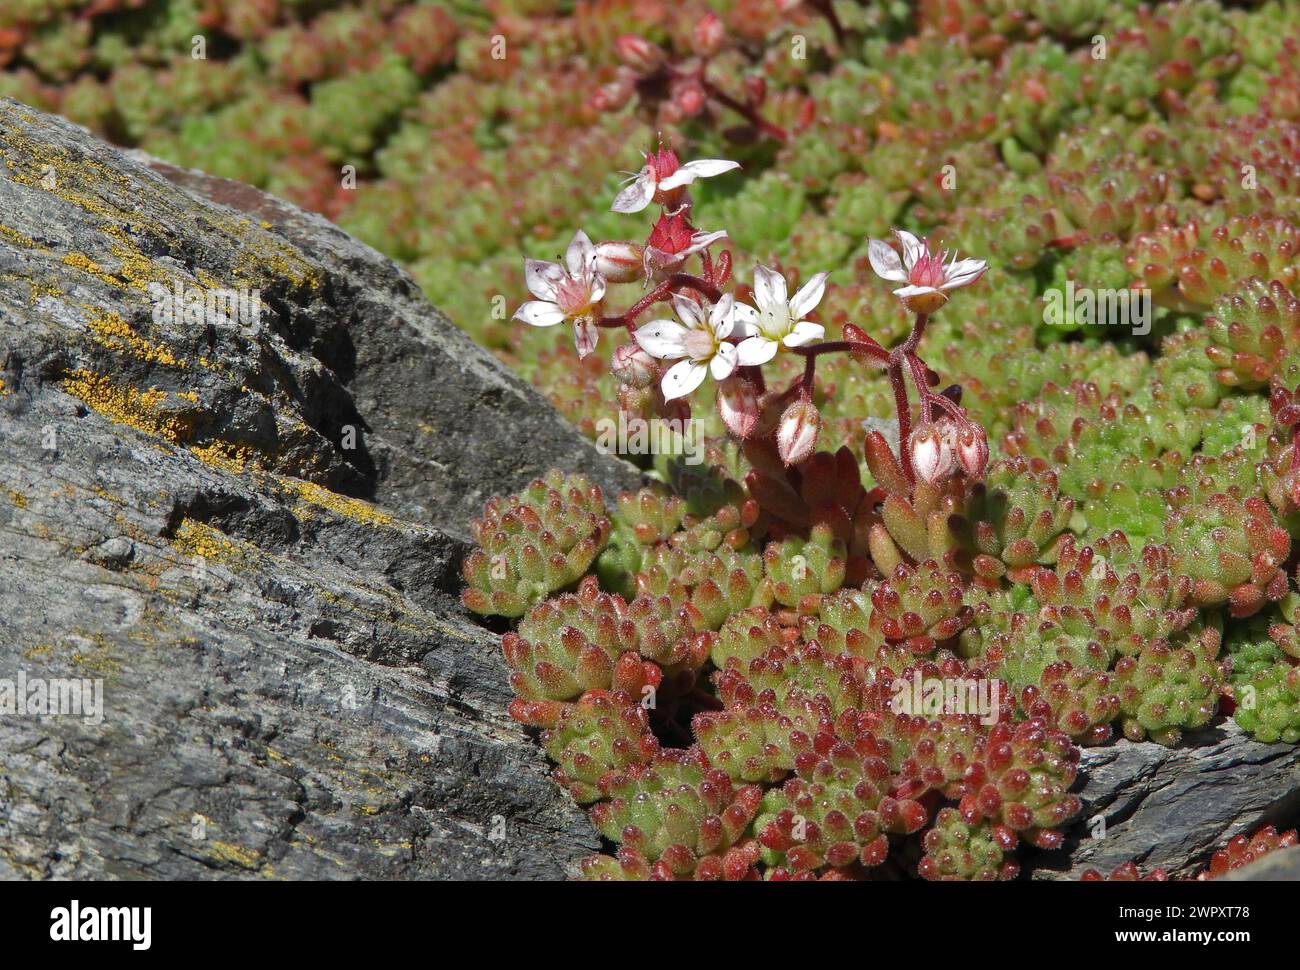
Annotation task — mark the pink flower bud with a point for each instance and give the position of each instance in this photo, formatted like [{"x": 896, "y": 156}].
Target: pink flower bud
[
  {"x": 931, "y": 453},
  {"x": 639, "y": 53},
  {"x": 973, "y": 450},
  {"x": 633, "y": 366},
  {"x": 690, "y": 99},
  {"x": 620, "y": 262},
  {"x": 707, "y": 35},
  {"x": 797, "y": 432},
  {"x": 738, "y": 406}
]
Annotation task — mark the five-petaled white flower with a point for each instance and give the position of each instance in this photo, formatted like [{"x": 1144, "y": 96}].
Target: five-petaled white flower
[
  {"x": 698, "y": 344},
  {"x": 777, "y": 320},
  {"x": 569, "y": 292},
  {"x": 664, "y": 177},
  {"x": 927, "y": 276}
]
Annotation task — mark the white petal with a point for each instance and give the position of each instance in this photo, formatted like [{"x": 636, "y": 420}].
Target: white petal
[
  {"x": 581, "y": 255},
  {"x": 804, "y": 333},
  {"x": 769, "y": 289},
  {"x": 540, "y": 313},
  {"x": 722, "y": 317},
  {"x": 542, "y": 278},
  {"x": 597, "y": 288},
  {"x": 809, "y": 295},
  {"x": 885, "y": 261},
  {"x": 756, "y": 350},
  {"x": 963, "y": 272},
  {"x": 723, "y": 362},
  {"x": 661, "y": 338},
  {"x": 745, "y": 319},
  {"x": 682, "y": 378},
  {"x": 636, "y": 196},
  {"x": 698, "y": 169},
  {"x": 585, "y": 335},
  {"x": 703, "y": 240},
  {"x": 905, "y": 291},
  {"x": 913, "y": 248},
  {"x": 688, "y": 311}
]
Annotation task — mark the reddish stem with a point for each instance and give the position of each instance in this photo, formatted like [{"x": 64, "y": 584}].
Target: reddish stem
[
  {"x": 746, "y": 111},
  {"x": 674, "y": 283}
]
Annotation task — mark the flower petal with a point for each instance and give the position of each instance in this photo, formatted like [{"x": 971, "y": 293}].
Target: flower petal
[
  {"x": 703, "y": 240},
  {"x": 885, "y": 261},
  {"x": 698, "y": 169},
  {"x": 585, "y": 335},
  {"x": 661, "y": 338},
  {"x": 722, "y": 317},
  {"x": 808, "y": 296},
  {"x": 804, "y": 333},
  {"x": 756, "y": 350},
  {"x": 745, "y": 319},
  {"x": 688, "y": 311},
  {"x": 964, "y": 272},
  {"x": 682, "y": 378},
  {"x": 769, "y": 289},
  {"x": 540, "y": 313},
  {"x": 581, "y": 255},
  {"x": 905, "y": 291},
  {"x": 636, "y": 196},
  {"x": 542, "y": 278},
  {"x": 913, "y": 248},
  {"x": 723, "y": 362}
]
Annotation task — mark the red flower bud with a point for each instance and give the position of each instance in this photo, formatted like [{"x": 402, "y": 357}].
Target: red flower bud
[
  {"x": 797, "y": 432},
  {"x": 931, "y": 453},
  {"x": 632, "y": 366},
  {"x": 738, "y": 406},
  {"x": 708, "y": 34},
  {"x": 639, "y": 53},
  {"x": 973, "y": 450}
]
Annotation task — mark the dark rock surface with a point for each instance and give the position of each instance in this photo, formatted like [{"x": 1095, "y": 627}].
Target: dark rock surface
[
  {"x": 1280, "y": 866},
  {"x": 249, "y": 534},
  {"x": 1172, "y": 807}
]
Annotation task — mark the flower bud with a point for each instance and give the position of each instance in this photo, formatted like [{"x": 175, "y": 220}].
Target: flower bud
[
  {"x": 633, "y": 366},
  {"x": 620, "y": 262},
  {"x": 690, "y": 99},
  {"x": 738, "y": 406},
  {"x": 931, "y": 453},
  {"x": 639, "y": 53},
  {"x": 755, "y": 89},
  {"x": 797, "y": 432},
  {"x": 973, "y": 450},
  {"x": 707, "y": 35}
]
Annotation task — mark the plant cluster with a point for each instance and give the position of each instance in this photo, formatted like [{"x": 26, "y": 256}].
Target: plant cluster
[{"x": 1094, "y": 507}]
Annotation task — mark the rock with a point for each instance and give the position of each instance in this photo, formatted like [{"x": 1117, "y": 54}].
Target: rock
[
  {"x": 1172, "y": 807},
  {"x": 246, "y": 530}
]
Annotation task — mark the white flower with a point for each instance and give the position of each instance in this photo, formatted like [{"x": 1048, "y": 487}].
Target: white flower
[
  {"x": 698, "y": 344},
  {"x": 777, "y": 320},
  {"x": 663, "y": 176},
  {"x": 569, "y": 292},
  {"x": 927, "y": 277}
]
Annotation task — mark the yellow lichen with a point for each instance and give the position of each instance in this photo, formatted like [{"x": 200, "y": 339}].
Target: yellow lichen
[
  {"x": 225, "y": 455},
  {"x": 128, "y": 405},
  {"x": 17, "y": 498},
  {"x": 111, "y": 331},
  {"x": 195, "y": 538},
  {"x": 235, "y": 854},
  {"x": 349, "y": 508}
]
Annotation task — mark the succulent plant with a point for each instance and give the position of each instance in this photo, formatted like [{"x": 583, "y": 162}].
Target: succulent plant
[{"x": 534, "y": 543}]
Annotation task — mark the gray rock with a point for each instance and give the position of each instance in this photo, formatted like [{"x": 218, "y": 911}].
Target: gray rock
[
  {"x": 1172, "y": 807},
  {"x": 247, "y": 533}
]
